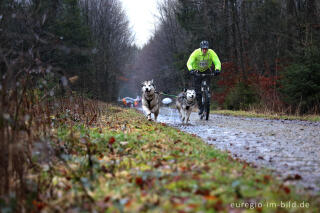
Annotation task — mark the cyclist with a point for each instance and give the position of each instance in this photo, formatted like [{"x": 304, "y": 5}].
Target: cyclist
[{"x": 201, "y": 60}]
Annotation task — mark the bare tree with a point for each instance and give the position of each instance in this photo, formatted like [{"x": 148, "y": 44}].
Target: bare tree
[{"x": 112, "y": 40}]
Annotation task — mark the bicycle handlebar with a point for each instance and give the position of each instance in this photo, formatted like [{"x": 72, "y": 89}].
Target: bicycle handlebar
[{"x": 203, "y": 74}]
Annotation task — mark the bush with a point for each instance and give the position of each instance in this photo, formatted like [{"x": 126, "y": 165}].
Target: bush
[{"x": 241, "y": 97}]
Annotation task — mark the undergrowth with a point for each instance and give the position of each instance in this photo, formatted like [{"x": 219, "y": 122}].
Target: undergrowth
[{"x": 114, "y": 160}]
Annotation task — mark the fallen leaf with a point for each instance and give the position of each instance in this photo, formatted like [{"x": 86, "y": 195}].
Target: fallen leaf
[
  {"x": 193, "y": 206},
  {"x": 112, "y": 140},
  {"x": 38, "y": 204},
  {"x": 123, "y": 143},
  {"x": 107, "y": 198},
  {"x": 218, "y": 206},
  {"x": 210, "y": 197},
  {"x": 295, "y": 177},
  {"x": 205, "y": 192},
  {"x": 286, "y": 189},
  {"x": 266, "y": 179},
  {"x": 139, "y": 182}
]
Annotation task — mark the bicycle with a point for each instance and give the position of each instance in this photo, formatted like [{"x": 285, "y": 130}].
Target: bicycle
[{"x": 205, "y": 90}]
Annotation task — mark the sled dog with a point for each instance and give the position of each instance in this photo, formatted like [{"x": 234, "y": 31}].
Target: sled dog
[
  {"x": 150, "y": 100},
  {"x": 185, "y": 102}
]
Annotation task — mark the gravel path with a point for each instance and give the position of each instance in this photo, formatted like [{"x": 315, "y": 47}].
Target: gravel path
[{"x": 290, "y": 148}]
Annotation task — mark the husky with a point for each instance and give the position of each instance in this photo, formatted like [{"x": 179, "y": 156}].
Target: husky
[
  {"x": 150, "y": 100},
  {"x": 185, "y": 102}
]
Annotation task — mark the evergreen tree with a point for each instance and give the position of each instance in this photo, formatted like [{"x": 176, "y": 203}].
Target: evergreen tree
[
  {"x": 301, "y": 82},
  {"x": 72, "y": 54}
]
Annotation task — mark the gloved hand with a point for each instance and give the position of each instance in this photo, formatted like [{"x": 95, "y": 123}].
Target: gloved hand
[
  {"x": 192, "y": 72},
  {"x": 216, "y": 72}
]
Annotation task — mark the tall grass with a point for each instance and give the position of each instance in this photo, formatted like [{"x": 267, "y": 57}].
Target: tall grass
[{"x": 27, "y": 115}]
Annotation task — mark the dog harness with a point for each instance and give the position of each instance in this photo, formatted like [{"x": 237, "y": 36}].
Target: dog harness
[
  {"x": 183, "y": 99},
  {"x": 149, "y": 100}
]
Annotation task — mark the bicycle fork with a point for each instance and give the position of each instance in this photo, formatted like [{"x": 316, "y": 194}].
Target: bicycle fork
[{"x": 205, "y": 90}]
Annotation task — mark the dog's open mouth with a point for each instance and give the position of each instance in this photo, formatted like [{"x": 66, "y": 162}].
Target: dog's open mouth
[{"x": 149, "y": 92}]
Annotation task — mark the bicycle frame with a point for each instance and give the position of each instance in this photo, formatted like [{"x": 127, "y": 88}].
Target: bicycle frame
[{"x": 205, "y": 90}]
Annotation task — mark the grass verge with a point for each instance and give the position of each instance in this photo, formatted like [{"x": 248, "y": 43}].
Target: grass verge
[
  {"x": 123, "y": 163},
  {"x": 253, "y": 114}
]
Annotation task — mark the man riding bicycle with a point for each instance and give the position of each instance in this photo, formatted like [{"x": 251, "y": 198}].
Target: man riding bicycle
[{"x": 201, "y": 61}]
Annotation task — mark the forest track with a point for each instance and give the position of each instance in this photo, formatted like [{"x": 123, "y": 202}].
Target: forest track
[{"x": 290, "y": 148}]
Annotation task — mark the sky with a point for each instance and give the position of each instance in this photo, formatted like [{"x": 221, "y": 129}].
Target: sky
[{"x": 142, "y": 16}]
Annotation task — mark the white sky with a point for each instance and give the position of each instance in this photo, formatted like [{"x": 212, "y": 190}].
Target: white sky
[{"x": 142, "y": 16}]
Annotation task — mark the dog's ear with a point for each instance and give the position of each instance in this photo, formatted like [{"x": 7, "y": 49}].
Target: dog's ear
[
  {"x": 152, "y": 83},
  {"x": 142, "y": 83},
  {"x": 185, "y": 90}
]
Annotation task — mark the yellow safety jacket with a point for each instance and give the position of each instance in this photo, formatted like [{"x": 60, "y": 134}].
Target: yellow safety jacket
[{"x": 202, "y": 62}]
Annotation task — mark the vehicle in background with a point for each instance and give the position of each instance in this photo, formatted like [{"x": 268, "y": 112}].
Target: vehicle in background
[
  {"x": 167, "y": 101},
  {"x": 130, "y": 102}
]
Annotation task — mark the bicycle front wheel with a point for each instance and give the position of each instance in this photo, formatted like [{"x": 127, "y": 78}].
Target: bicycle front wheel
[{"x": 207, "y": 109}]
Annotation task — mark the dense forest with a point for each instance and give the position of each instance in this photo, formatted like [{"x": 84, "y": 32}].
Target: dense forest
[
  {"x": 49, "y": 50},
  {"x": 269, "y": 51},
  {"x": 53, "y": 49},
  {"x": 82, "y": 44}
]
